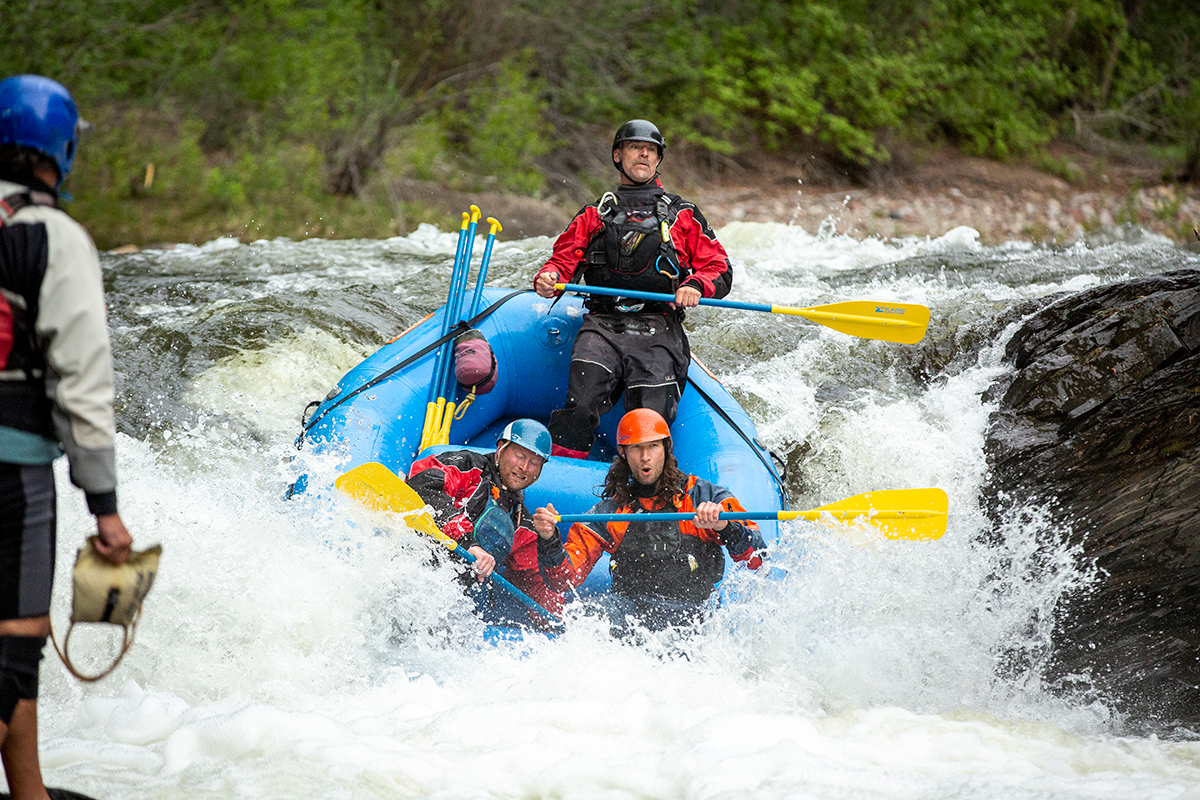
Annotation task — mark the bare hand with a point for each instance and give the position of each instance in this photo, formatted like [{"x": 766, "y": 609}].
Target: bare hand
[
  {"x": 112, "y": 541},
  {"x": 544, "y": 284},
  {"x": 484, "y": 565},
  {"x": 708, "y": 515},
  {"x": 687, "y": 297},
  {"x": 543, "y": 522}
]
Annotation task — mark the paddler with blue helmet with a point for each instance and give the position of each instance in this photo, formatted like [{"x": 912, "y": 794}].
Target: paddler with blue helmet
[
  {"x": 56, "y": 395},
  {"x": 478, "y": 499},
  {"x": 643, "y": 238},
  {"x": 663, "y": 572}
]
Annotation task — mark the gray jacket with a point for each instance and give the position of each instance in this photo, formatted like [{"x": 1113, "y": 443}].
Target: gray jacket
[{"x": 50, "y": 277}]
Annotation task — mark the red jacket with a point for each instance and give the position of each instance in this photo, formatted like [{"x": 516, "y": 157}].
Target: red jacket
[
  {"x": 700, "y": 254},
  {"x": 457, "y": 485}
]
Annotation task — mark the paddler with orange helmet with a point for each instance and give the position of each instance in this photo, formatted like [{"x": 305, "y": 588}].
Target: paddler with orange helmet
[{"x": 662, "y": 572}]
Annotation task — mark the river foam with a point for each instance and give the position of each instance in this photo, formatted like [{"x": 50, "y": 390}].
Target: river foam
[{"x": 301, "y": 649}]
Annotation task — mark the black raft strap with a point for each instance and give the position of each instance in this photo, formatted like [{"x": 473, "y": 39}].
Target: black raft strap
[{"x": 459, "y": 329}]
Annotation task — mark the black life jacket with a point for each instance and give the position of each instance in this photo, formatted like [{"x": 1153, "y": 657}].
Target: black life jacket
[
  {"x": 633, "y": 251},
  {"x": 656, "y": 559},
  {"x": 24, "y": 255}
]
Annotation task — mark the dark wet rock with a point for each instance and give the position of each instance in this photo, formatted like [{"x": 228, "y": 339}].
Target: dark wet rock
[
  {"x": 1101, "y": 420},
  {"x": 950, "y": 347}
]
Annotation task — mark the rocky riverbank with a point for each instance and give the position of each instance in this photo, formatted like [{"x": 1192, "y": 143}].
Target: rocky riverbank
[
  {"x": 923, "y": 197},
  {"x": 1004, "y": 202}
]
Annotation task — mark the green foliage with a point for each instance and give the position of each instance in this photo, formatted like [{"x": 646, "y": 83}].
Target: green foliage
[
  {"x": 508, "y": 129},
  {"x": 261, "y": 115},
  {"x": 1063, "y": 167}
]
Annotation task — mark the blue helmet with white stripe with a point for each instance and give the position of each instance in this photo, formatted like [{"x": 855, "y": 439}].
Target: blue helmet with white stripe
[{"x": 530, "y": 434}]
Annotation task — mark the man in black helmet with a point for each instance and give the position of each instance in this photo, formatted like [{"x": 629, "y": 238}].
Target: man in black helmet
[
  {"x": 638, "y": 237},
  {"x": 56, "y": 394}
]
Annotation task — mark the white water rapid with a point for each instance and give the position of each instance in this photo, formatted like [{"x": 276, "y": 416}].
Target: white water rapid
[{"x": 288, "y": 653}]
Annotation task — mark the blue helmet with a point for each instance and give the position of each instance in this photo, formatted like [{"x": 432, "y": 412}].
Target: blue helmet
[
  {"x": 38, "y": 113},
  {"x": 530, "y": 434}
]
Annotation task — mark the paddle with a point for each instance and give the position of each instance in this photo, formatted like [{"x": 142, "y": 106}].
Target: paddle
[
  {"x": 453, "y": 413},
  {"x": 376, "y": 486},
  {"x": 437, "y": 401},
  {"x": 494, "y": 228},
  {"x": 444, "y": 410},
  {"x": 904, "y": 323},
  {"x": 899, "y": 513}
]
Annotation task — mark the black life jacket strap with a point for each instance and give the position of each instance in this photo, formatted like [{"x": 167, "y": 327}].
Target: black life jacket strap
[
  {"x": 662, "y": 212},
  {"x": 455, "y": 331}
]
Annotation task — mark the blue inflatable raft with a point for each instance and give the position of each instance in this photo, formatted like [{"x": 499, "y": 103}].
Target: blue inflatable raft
[{"x": 377, "y": 411}]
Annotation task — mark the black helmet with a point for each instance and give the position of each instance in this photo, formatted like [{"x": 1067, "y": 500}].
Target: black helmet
[{"x": 639, "y": 130}]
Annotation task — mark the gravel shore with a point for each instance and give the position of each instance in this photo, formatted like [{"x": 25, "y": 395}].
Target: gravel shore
[{"x": 1002, "y": 202}]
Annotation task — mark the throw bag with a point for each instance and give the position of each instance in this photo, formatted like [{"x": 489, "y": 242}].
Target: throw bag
[
  {"x": 112, "y": 593},
  {"x": 108, "y": 593}
]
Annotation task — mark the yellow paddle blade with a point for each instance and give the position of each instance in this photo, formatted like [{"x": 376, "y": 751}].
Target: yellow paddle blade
[
  {"x": 898, "y": 513},
  {"x": 904, "y": 323},
  {"x": 377, "y": 487}
]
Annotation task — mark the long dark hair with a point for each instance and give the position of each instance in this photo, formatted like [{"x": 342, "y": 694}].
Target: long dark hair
[{"x": 619, "y": 482}]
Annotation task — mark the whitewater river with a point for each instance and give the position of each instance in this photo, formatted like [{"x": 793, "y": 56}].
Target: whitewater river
[{"x": 288, "y": 652}]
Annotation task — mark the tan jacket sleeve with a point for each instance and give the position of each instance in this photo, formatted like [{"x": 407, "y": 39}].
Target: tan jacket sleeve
[{"x": 72, "y": 328}]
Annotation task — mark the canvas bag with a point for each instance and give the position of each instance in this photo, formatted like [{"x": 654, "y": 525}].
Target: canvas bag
[{"x": 108, "y": 593}]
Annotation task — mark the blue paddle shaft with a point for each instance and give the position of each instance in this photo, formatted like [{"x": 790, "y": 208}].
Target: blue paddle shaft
[
  {"x": 443, "y": 352},
  {"x": 664, "y": 516},
  {"x": 507, "y": 586},
  {"x": 483, "y": 268},
  {"x": 661, "y": 297},
  {"x": 453, "y": 309}
]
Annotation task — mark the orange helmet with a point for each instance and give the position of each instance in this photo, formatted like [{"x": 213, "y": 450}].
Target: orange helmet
[{"x": 642, "y": 425}]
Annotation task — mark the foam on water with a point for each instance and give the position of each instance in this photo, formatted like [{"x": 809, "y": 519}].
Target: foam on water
[{"x": 308, "y": 648}]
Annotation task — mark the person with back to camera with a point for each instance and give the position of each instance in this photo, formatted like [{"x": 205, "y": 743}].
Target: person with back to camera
[
  {"x": 56, "y": 394},
  {"x": 638, "y": 237}
]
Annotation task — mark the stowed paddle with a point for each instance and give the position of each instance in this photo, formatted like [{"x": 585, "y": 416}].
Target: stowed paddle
[
  {"x": 436, "y": 405},
  {"x": 904, "y": 323},
  {"x": 899, "y": 513},
  {"x": 376, "y": 486}
]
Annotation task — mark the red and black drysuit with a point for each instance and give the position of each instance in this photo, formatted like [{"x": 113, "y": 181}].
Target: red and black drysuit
[
  {"x": 662, "y": 566},
  {"x": 458, "y": 485},
  {"x": 627, "y": 345}
]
